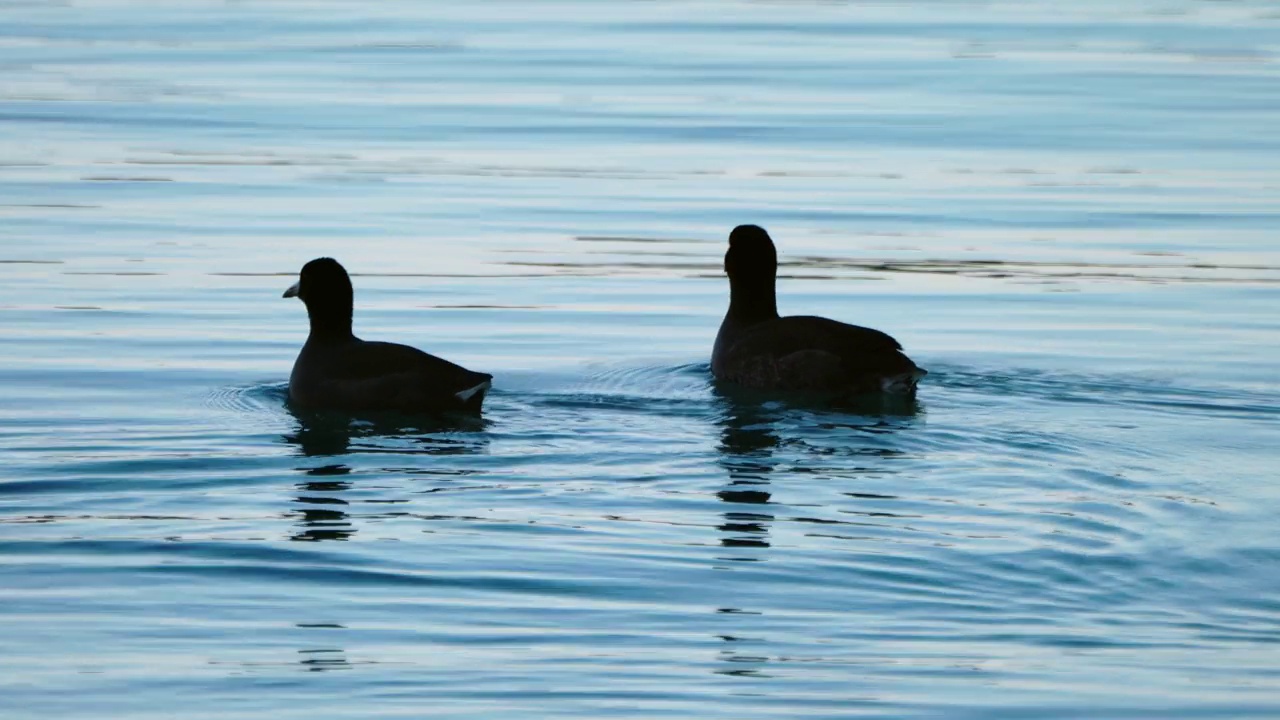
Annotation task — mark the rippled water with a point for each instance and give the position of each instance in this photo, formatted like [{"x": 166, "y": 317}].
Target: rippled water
[{"x": 1066, "y": 212}]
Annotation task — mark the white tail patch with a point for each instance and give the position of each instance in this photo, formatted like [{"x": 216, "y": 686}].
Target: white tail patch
[
  {"x": 903, "y": 384},
  {"x": 465, "y": 395}
]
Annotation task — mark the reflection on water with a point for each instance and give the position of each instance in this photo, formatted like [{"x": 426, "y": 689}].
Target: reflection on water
[
  {"x": 752, "y": 448},
  {"x": 325, "y": 438},
  {"x": 747, "y": 441},
  {"x": 322, "y": 434},
  {"x": 323, "y": 512}
]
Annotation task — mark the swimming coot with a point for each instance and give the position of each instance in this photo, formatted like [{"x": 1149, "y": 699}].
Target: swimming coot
[
  {"x": 757, "y": 348},
  {"x": 338, "y": 371}
]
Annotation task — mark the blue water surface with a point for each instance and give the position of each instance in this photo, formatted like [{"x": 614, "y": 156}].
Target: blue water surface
[{"x": 1066, "y": 211}]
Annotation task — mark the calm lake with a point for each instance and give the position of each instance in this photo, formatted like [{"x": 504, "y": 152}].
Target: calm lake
[{"x": 1068, "y": 212}]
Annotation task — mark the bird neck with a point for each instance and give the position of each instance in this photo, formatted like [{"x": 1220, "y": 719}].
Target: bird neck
[
  {"x": 330, "y": 324},
  {"x": 752, "y": 302}
]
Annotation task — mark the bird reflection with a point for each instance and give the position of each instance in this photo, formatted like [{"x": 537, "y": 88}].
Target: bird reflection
[
  {"x": 320, "y": 434},
  {"x": 759, "y": 437},
  {"x": 748, "y": 445},
  {"x": 319, "y": 505},
  {"x": 747, "y": 441},
  {"x": 328, "y": 521},
  {"x": 750, "y": 451}
]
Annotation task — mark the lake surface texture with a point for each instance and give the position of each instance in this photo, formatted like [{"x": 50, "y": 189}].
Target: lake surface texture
[{"x": 1068, "y": 212}]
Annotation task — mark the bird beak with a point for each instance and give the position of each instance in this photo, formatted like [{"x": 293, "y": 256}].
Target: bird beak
[{"x": 292, "y": 291}]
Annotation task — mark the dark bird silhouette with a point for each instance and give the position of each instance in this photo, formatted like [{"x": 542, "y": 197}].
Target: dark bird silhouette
[
  {"x": 757, "y": 348},
  {"x": 338, "y": 371}
]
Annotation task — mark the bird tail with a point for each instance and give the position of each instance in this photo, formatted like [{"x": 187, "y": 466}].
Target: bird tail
[
  {"x": 902, "y": 383},
  {"x": 474, "y": 394}
]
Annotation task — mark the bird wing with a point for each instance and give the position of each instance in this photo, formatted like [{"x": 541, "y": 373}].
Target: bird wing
[
  {"x": 382, "y": 374},
  {"x": 859, "y": 349}
]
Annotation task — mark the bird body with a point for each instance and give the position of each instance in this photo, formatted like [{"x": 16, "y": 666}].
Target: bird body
[
  {"x": 338, "y": 371},
  {"x": 758, "y": 348}
]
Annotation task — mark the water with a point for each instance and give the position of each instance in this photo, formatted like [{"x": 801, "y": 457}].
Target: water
[{"x": 1067, "y": 214}]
